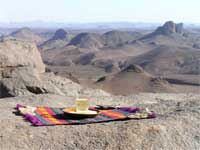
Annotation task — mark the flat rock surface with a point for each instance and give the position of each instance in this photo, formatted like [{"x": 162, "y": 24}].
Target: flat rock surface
[{"x": 176, "y": 128}]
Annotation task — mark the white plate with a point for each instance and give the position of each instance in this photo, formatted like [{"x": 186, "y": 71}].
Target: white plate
[{"x": 72, "y": 111}]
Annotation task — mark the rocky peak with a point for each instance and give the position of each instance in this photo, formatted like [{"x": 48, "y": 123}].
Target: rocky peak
[
  {"x": 26, "y": 34},
  {"x": 87, "y": 40},
  {"x": 169, "y": 28},
  {"x": 133, "y": 68},
  {"x": 24, "y": 30},
  {"x": 60, "y": 35}
]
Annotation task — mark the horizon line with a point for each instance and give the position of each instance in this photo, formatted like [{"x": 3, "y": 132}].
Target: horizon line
[{"x": 93, "y": 22}]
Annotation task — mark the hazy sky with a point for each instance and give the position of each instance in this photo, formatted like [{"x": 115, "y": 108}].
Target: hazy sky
[{"x": 100, "y": 10}]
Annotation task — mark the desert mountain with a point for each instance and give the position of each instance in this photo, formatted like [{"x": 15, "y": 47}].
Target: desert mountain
[
  {"x": 59, "y": 39},
  {"x": 118, "y": 38},
  {"x": 60, "y": 35},
  {"x": 168, "y": 34},
  {"x": 91, "y": 48},
  {"x": 169, "y": 60},
  {"x": 27, "y": 35},
  {"x": 66, "y": 55},
  {"x": 164, "y": 52},
  {"x": 81, "y": 50},
  {"x": 133, "y": 79},
  {"x": 167, "y": 29},
  {"x": 87, "y": 40},
  {"x": 170, "y": 28},
  {"x": 113, "y": 38}
]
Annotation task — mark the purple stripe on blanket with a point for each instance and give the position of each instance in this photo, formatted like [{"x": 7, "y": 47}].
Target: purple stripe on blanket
[
  {"x": 152, "y": 115},
  {"x": 33, "y": 119},
  {"x": 18, "y": 106},
  {"x": 129, "y": 109}
]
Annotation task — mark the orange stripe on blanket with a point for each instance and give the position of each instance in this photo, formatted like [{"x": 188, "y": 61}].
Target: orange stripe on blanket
[
  {"x": 53, "y": 115},
  {"x": 112, "y": 114},
  {"x": 47, "y": 116}
]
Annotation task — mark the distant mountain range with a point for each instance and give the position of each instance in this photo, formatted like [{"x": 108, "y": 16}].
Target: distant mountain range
[
  {"x": 100, "y": 25},
  {"x": 97, "y": 25}
]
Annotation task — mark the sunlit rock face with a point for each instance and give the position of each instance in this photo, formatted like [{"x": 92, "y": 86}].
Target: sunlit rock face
[{"x": 17, "y": 53}]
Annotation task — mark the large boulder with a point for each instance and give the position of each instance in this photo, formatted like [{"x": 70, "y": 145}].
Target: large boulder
[
  {"x": 18, "y": 81},
  {"x": 15, "y": 53},
  {"x": 26, "y": 81}
]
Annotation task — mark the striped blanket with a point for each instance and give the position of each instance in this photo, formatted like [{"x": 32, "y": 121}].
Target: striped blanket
[{"x": 48, "y": 116}]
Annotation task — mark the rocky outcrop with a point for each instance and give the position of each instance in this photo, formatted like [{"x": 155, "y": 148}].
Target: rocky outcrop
[
  {"x": 169, "y": 28},
  {"x": 26, "y": 81},
  {"x": 20, "y": 68},
  {"x": 17, "y": 53},
  {"x": 18, "y": 81},
  {"x": 179, "y": 28},
  {"x": 133, "y": 68}
]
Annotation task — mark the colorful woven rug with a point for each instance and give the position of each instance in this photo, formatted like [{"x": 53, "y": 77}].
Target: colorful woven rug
[{"x": 49, "y": 116}]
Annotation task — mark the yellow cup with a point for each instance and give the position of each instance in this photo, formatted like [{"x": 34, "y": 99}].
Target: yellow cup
[{"x": 82, "y": 105}]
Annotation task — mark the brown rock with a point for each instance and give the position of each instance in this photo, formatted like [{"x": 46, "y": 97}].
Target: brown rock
[{"x": 15, "y": 53}]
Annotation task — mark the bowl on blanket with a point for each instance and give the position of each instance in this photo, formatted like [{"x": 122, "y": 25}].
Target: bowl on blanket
[{"x": 71, "y": 112}]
